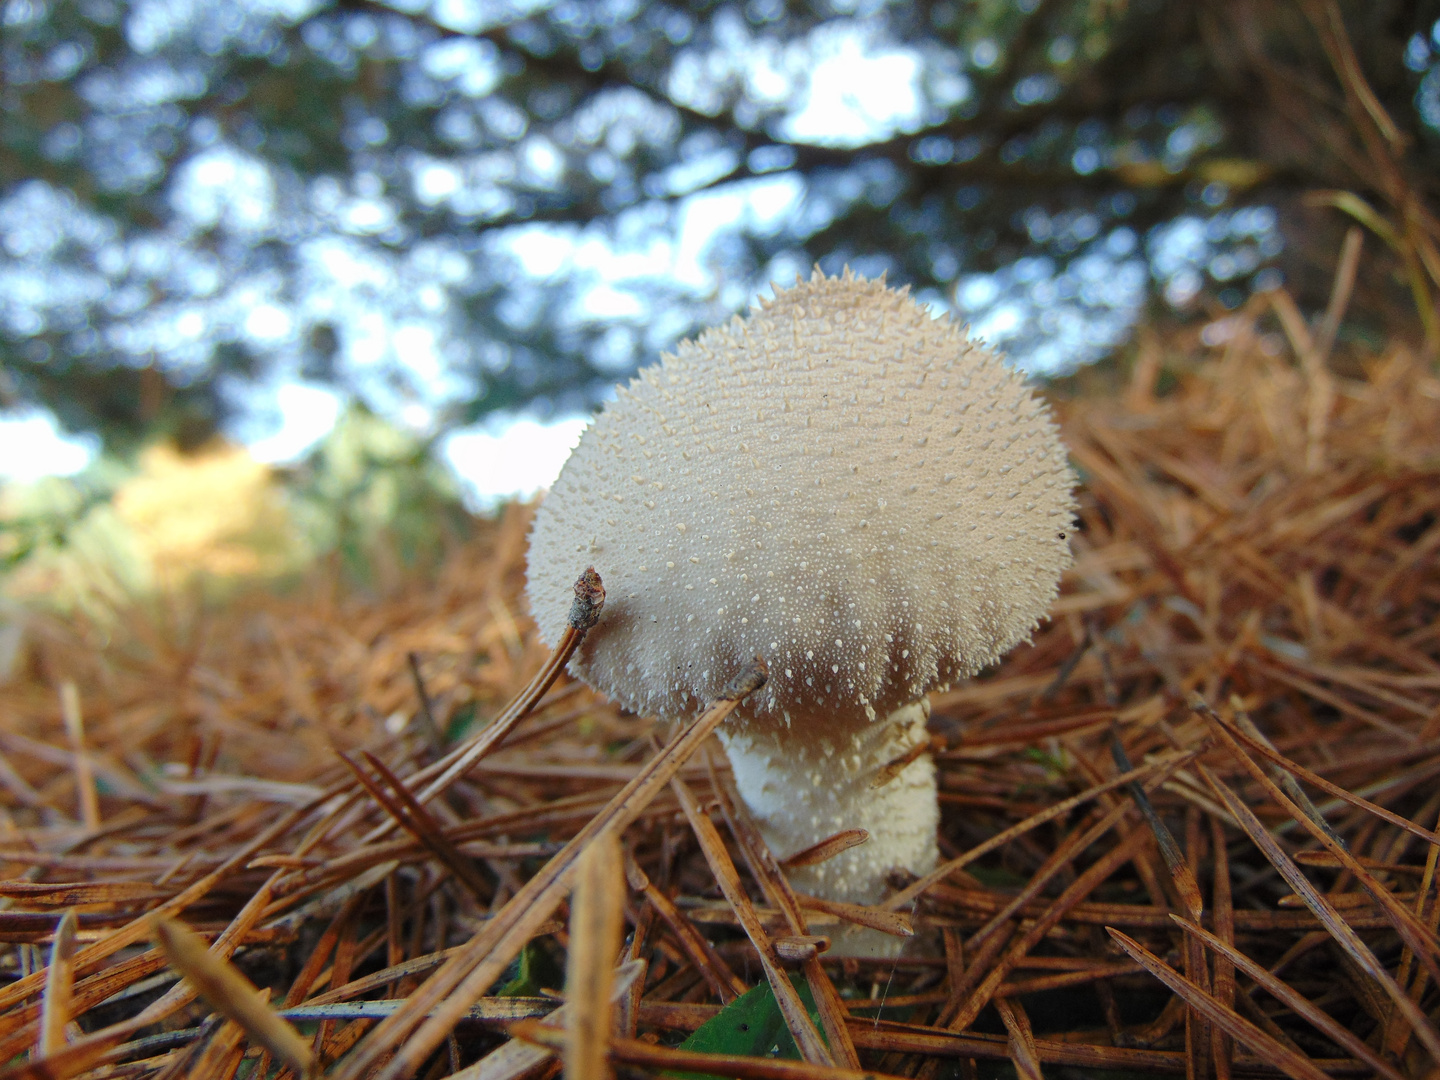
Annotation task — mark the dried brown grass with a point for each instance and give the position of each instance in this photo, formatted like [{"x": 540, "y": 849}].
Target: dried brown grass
[{"x": 1223, "y": 749}]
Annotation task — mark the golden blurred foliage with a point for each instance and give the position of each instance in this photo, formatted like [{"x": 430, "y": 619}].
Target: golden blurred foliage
[
  {"x": 219, "y": 512},
  {"x": 178, "y": 521},
  {"x": 370, "y": 493}
]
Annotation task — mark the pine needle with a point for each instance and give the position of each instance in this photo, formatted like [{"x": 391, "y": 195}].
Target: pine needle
[{"x": 231, "y": 994}]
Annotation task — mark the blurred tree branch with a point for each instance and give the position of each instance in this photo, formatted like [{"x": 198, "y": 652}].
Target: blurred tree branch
[{"x": 1091, "y": 118}]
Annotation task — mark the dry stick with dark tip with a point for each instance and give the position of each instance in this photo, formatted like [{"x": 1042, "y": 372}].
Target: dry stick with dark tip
[
  {"x": 434, "y": 1008},
  {"x": 584, "y": 614}
]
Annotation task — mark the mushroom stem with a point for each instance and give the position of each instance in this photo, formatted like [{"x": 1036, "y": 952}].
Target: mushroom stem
[{"x": 802, "y": 785}]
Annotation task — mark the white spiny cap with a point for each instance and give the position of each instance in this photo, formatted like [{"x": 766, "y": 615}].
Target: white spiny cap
[{"x": 840, "y": 483}]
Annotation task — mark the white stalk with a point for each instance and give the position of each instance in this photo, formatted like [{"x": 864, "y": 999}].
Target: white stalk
[{"x": 802, "y": 784}]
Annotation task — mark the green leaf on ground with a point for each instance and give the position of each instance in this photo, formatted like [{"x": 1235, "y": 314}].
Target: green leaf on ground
[
  {"x": 751, "y": 1026},
  {"x": 531, "y": 971}
]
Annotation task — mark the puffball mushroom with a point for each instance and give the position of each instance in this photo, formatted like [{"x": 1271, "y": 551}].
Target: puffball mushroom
[{"x": 853, "y": 490}]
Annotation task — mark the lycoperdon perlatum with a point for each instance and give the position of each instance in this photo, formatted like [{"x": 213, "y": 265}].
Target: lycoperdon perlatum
[{"x": 846, "y": 486}]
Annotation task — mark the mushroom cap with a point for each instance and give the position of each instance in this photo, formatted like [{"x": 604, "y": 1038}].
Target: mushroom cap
[{"x": 840, "y": 483}]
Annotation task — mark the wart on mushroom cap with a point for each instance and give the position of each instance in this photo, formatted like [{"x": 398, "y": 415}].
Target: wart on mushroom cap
[{"x": 840, "y": 483}]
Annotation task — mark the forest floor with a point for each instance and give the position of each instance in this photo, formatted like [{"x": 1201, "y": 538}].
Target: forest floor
[{"x": 1189, "y": 829}]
